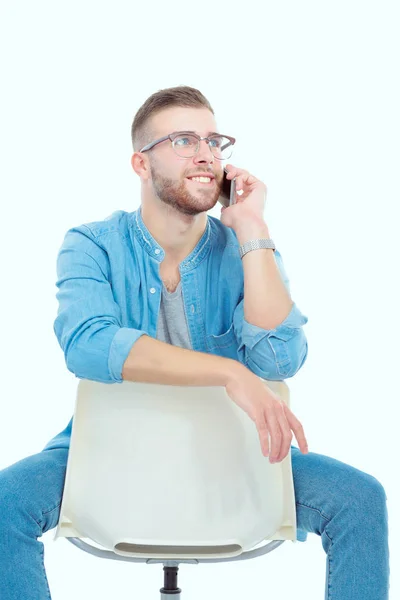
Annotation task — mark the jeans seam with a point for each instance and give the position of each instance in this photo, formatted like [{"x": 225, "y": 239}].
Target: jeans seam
[
  {"x": 329, "y": 574},
  {"x": 44, "y": 571}
]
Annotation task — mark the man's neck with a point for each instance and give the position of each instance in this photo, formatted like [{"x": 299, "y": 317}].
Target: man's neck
[{"x": 177, "y": 234}]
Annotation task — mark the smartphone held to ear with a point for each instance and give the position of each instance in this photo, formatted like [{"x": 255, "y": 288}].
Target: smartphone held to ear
[{"x": 228, "y": 191}]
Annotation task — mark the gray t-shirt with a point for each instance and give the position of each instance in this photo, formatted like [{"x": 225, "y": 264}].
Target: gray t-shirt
[{"x": 172, "y": 326}]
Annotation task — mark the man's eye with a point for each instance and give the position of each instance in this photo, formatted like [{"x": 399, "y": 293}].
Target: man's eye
[
  {"x": 183, "y": 141},
  {"x": 216, "y": 142}
]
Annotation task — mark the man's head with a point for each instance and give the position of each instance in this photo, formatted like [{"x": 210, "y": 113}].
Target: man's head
[{"x": 166, "y": 168}]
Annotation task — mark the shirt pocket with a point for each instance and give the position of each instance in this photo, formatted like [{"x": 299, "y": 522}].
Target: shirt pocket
[{"x": 224, "y": 344}]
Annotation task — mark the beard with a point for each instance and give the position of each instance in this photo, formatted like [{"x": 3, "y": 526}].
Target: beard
[{"x": 175, "y": 193}]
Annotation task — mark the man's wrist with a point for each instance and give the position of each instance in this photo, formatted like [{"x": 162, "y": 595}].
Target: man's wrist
[
  {"x": 251, "y": 231},
  {"x": 236, "y": 371}
]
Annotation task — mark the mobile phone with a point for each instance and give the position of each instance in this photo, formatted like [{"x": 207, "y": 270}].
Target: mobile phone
[{"x": 228, "y": 191}]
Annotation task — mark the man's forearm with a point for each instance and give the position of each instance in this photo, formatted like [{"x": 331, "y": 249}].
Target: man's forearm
[
  {"x": 266, "y": 300},
  {"x": 153, "y": 361}
]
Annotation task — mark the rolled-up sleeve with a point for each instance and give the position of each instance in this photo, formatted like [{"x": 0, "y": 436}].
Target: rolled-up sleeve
[
  {"x": 272, "y": 353},
  {"x": 88, "y": 323}
]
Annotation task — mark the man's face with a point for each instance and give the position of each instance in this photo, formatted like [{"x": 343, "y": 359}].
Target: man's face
[{"x": 171, "y": 173}]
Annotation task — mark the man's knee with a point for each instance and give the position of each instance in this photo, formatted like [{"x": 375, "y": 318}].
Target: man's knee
[{"x": 367, "y": 495}]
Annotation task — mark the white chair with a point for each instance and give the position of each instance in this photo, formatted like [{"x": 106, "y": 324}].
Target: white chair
[{"x": 172, "y": 474}]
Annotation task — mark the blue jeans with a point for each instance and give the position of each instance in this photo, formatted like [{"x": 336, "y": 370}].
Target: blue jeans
[{"x": 344, "y": 506}]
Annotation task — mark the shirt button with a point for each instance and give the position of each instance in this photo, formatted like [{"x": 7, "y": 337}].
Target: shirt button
[
  {"x": 152, "y": 290},
  {"x": 157, "y": 251}
]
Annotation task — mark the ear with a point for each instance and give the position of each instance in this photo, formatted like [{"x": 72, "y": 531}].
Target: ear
[{"x": 140, "y": 164}]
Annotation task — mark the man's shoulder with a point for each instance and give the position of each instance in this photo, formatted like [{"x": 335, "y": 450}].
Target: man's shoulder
[
  {"x": 117, "y": 222},
  {"x": 103, "y": 234}
]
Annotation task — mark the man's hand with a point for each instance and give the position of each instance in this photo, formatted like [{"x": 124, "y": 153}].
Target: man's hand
[
  {"x": 249, "y": 207},
  {"x": 270, "y": 414}
]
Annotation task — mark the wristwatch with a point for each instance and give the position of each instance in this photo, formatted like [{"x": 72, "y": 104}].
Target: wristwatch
[{"x": 256, "y": 245}]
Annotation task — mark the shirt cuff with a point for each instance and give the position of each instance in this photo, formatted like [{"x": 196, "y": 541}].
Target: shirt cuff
[
  {"x": 120, "y": 347},
  {"x": 252, "y": 334}
]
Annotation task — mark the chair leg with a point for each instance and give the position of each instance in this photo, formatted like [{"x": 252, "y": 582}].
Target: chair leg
[{"x": 170, "y": 590}]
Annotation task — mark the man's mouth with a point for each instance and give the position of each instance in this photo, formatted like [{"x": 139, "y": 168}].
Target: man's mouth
[{"x": 202, "y": 180}]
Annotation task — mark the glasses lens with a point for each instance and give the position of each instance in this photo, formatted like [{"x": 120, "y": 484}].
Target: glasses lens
[
  {"x": 221, "y": 147},
  {"x": 185, "y": 145}
]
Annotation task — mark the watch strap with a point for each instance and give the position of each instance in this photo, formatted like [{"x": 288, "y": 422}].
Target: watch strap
[{"x": 257, "y": 244}]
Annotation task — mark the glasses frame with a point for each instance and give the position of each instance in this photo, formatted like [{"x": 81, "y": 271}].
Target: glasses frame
[{"x": 175, "y": 134}]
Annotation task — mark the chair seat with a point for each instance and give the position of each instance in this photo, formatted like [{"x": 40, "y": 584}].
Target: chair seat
[{"x": 172, "y": 472}]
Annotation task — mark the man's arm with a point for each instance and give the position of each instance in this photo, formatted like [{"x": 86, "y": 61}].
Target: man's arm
[
  {"x": 267, "y": 323},
  {"x": 277, "y": 352},
  {"x": 154, "y": 361},
  {"x": 267, "y": 302}
]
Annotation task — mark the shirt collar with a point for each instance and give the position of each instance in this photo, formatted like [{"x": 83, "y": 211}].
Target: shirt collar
[{"x": 153, "y": 248}]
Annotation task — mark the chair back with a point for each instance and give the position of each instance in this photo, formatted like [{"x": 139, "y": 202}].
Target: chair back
[{"x": 172, "y": 472}]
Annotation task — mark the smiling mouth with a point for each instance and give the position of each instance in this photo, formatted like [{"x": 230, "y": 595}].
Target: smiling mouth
[{"x": 202, "y": 180}]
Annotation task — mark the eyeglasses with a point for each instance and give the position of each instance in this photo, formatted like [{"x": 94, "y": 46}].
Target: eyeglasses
[{"x": 186, "y": 144}]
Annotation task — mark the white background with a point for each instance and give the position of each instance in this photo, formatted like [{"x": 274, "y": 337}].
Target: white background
[{"x": 311, "y": 92}]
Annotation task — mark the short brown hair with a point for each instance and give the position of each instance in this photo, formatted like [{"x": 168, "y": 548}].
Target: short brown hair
[{"x": 175, "y": 96}]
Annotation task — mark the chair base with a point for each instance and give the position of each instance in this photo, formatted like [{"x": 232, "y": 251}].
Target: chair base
[
  {"x": 170, "y": 589},
  {"x": 171, "y": 566}
]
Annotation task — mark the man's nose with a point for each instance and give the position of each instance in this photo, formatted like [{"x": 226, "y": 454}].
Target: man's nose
[{"x": 204, "y": 154}]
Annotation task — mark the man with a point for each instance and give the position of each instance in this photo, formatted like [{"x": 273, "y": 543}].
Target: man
[{"x": 168, "y": 294}]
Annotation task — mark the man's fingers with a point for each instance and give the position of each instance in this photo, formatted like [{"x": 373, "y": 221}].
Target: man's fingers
[
  {"x": 297, "y": 429},
  {"x": 275, "y": 432},
  {"x": 272, "y": 428},
  {"x": 285, "y": 434},
  {"x": 262, "y": 429},
  {"x": 276, "y": 439}
]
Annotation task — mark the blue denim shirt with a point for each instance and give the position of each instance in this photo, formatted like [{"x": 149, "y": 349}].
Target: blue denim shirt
[{"x": 109, "y": 291}]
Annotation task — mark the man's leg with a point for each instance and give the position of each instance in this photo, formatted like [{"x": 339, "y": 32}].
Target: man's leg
[
  {"x": 30, "y": 501},
  {"x": 347, "y": 508}
]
